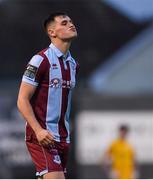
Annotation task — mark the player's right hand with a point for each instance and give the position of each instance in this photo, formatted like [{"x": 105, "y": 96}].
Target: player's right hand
[{"x": 45, "y": 137}]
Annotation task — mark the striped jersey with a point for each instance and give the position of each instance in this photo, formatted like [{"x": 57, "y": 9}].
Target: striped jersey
[{"x": 54, "y": 75}]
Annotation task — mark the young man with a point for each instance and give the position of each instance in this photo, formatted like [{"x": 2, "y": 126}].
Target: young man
[{"x": 44, "y": 98}]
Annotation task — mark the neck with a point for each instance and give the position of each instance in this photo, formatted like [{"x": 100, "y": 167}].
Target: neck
[
  {"x": 122, "y": 138},
  {"x": 62, "y": 46}
]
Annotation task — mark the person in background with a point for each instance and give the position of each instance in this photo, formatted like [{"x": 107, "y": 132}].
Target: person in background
[{"x": 119, "y": 159}]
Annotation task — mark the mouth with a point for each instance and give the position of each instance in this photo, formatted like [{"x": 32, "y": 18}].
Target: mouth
[{"x": 73, "y": 29}]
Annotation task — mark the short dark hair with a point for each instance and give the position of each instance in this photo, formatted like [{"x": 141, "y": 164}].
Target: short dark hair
[
  {"x": 124, "y": 127},
  {"x": 51, "y": 18}
]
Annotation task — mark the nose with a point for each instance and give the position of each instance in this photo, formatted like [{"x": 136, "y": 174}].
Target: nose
[{"x": 71, "y": 24}]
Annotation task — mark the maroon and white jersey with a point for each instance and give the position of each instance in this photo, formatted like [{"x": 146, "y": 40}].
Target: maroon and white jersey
[{"x": 54, "y": 75}]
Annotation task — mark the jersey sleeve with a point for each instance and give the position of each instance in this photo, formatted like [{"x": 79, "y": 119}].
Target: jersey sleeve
[
  {"x": 111, "y": 148},
  {"x": 34, "y": 69}
]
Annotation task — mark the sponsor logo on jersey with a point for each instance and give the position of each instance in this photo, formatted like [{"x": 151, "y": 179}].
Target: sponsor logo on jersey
[
  {"x": 54, "y": 66},
  {"x": 57, "y": 83}
]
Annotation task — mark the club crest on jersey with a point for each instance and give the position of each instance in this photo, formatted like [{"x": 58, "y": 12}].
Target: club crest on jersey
[
  {"x": 57, "y": 159},
  {"x": 55, "y": 83}
]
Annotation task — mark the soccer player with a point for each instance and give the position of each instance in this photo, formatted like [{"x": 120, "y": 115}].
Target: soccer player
[
  {"x": 44, "y": 98},
  {"x": 119, "y": 160}
]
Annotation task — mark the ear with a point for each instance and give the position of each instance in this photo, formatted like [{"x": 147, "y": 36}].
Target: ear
[{"x": 51, "y": 32}]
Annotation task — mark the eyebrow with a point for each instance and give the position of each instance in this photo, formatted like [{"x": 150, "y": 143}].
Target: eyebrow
[{"x": 65, "y": 20}]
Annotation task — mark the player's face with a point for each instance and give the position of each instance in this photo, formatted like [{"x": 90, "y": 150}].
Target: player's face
[
  {"x": 63, "y": 28},
  {"x": 123, "y": 134}
]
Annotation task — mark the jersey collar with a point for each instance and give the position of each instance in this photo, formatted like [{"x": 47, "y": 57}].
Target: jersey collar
[{"x": 59, "y": 54}]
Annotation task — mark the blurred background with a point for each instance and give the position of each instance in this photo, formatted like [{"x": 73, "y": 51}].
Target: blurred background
[{"x": 115, "y": 83}]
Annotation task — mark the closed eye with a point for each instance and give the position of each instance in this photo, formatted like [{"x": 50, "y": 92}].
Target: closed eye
[{"x": 64, "y": 22}]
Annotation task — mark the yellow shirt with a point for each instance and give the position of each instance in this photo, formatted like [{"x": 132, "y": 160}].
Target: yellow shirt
[{"x": 122, "y": 156}]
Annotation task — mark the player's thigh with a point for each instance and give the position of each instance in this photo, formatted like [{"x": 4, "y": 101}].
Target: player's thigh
[
  {"x": 54, "y": 175},
  {"x": 63, "y": 150},
  {"x": 46, "y": 160}
]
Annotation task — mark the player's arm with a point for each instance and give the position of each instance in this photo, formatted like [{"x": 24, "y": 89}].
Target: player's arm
[
  {"x": 25, "y": 93},
  {"x": 35, "y": 70},
  {"x": 107, "y": 158},
  {"x": 107, "y": 162}
]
